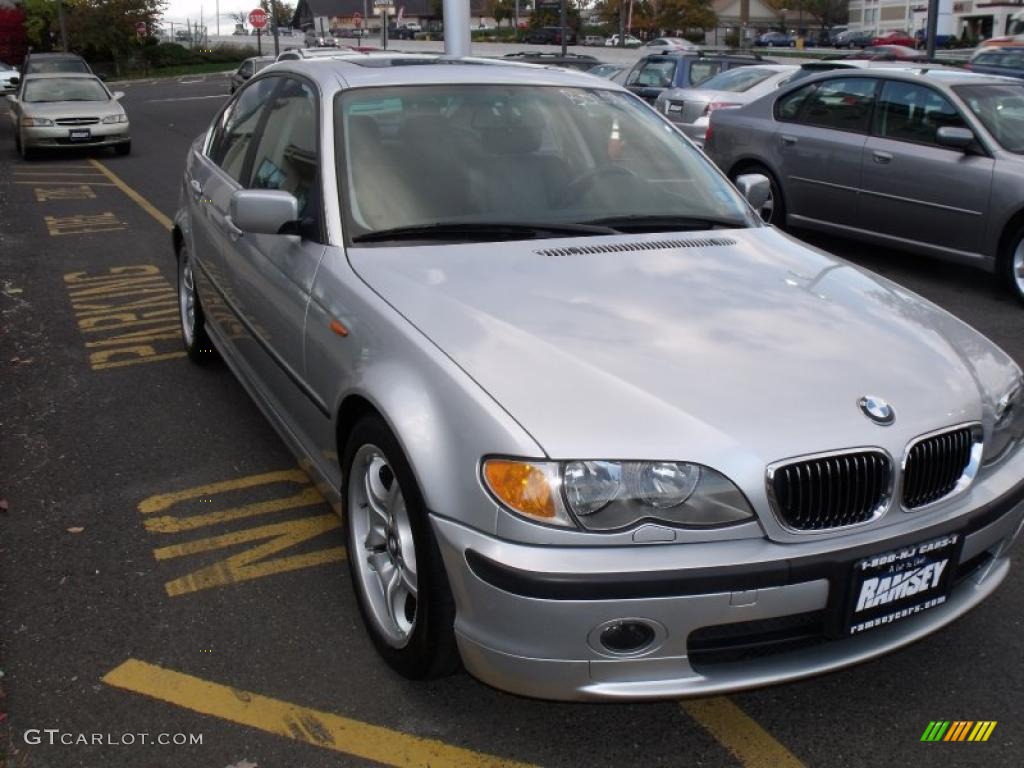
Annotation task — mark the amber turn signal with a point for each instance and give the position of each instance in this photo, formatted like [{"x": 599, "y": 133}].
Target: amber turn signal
[{"x": 521, "y": 486}]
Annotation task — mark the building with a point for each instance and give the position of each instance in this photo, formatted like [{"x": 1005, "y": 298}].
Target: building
[
  {"x": 979, "y": 19},
  {"x": 326, "y": 15}
]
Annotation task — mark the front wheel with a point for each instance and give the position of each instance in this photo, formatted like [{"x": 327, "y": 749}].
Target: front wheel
[
  {"x": 193, "y": 321},
  {"x": 397, "y": 574},
  {"x": 1012, "y": 265},
  {"x": 124, "y": 148}
]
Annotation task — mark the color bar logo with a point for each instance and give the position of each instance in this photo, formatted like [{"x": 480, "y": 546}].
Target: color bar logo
[{"x": 958, "y": 730}]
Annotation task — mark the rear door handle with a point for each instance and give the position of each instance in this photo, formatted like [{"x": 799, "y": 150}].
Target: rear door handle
[
  {"x": 233, "y": 232},
  {"x": 788, "y": 140},
  {"x": 883, "y": 158}
]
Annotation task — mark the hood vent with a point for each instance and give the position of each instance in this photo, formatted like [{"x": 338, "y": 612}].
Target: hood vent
[{"x": 639, "y": 245}]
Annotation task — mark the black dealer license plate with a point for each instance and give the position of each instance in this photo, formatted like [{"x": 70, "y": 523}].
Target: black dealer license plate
[
  {"x": 903, "y": 582},
  {"x": 80, "y": 134}
]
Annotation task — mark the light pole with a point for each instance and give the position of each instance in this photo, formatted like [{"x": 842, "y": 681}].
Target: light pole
[
  {"x": 63, "y": 26},
  {"x": 782, "y": 14}
]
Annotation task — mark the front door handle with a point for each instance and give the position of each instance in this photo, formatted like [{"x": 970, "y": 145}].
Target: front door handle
[
  {"x": 233, "y": 232},
  {"x": 882, "y": 158},
  {"x": 788, "y": 140},
  {"x": 197, "y": 188}
]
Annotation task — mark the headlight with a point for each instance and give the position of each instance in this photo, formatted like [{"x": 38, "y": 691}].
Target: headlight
[
  {"x": 613, "y": 495},
  {"x": 37, "y": 122},
  {"x": 122, "y": 118},
  {"x": 1008, "y": 427}
]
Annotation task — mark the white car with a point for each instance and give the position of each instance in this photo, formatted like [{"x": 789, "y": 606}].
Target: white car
[
  {"x": 631, "y": 42},
  {"x": 9, "y": 78},
  {"x": 64, "y": 110}
]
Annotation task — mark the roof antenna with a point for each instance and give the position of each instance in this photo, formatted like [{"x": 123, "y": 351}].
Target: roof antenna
[{"x": 456, "y": 28}]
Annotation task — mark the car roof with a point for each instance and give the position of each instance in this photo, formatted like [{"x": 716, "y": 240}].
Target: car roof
[
  {"x": 683, "y": 53},
  {"x": 59, "y": 76},
  {"x": 393, "y": 69},
  {"x": 938, "y": 75},
  {"x": 57, "y": 55}
]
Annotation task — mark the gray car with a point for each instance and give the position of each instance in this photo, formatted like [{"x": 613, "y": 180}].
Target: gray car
[
  {"x": 596, "y": 430},
  {"x": 927, "y": 160},
  {"x": 690, "y": 108}
]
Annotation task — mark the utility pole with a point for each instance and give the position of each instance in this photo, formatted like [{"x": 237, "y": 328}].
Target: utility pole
[
  {"x": 517, "y": 17},
  {"x": 933, "y": 26},
  {"x": 63, "y": 26},
  {"x": 562, "y": 26},
  {"x": 218, "y": 18},
  {"x": 744, "y": 21},
  {"x": 622, "y": 24},
  {"x": 273, "y": 21}
]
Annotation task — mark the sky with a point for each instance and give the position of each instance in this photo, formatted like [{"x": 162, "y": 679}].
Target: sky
[{"x": 179, "y": 10}]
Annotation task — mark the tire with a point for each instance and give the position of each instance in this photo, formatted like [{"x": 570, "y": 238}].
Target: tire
[
  {"x": 190, "y": 312},
  {"x": 383, "y": 526},
  {"x": 1011, "y": 265},
  {"x": 124, "y": 148},
  {"x": 776, "y": 205}
]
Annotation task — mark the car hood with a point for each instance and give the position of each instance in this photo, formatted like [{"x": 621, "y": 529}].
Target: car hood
[
  {"x": 733, "y": 349},
  {"x": 61, "y": 109}
]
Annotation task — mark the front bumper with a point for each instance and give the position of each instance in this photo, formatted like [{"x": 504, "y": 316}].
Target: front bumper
[
  {"x": 58, "y": 136},
  {"x": 531, "y": 630}
]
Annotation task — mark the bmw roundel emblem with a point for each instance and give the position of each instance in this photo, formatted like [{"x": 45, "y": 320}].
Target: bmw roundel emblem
[{"x": 876, "y": 409}]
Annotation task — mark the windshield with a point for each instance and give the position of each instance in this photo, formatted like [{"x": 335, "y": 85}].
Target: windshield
[
  {"x": 54, "y": 66},
  {"x": 737, "y": 80},
  {"x": 1000, "y": 109},
  {"x": 65, "y": 89},
  {"x": 545, "y": 156}
]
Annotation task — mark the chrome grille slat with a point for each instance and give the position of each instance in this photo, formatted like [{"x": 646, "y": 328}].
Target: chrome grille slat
[
  {"x": 837, "y": 491},
  {"x": 77, "y": 121},
  {"x": 934, "y": 466}
]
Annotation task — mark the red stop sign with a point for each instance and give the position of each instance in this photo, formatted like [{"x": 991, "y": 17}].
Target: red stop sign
[{"x": 258, "y": 18}]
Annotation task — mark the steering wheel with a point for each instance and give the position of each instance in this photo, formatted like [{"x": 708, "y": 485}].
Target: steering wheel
[{"x": 576, "y": 187}]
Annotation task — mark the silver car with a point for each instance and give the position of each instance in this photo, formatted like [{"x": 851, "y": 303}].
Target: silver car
[
  {"x": 928, "y": 160},
  {"x": 690, "y": 108},
  {"x": 65, "y": 111},
  {"x": 596, "y": 430}
]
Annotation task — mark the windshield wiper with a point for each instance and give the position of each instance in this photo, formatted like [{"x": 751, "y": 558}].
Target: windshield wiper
[
  {"x": 483, "y": 231},
  {"x": 667, "y": 223}
]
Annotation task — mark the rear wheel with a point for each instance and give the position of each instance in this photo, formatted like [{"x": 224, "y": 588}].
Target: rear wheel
[
  {"x": 1012, "y": 265},
  {"x": 397, "y": 574}
]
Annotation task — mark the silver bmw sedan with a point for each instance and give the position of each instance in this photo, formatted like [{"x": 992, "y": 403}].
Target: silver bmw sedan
[{"x": 596, "y": 430}]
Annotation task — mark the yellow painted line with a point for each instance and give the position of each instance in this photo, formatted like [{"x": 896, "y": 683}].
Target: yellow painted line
[
  {"x": 37, "y": 182},
  {"x": 47, "y": 167},
  {"x": 142, "y": 202},
  {"x": 163, "y": 501},
  {"x": 735, "y": 730},
  {"x": 321, "y": 729}
]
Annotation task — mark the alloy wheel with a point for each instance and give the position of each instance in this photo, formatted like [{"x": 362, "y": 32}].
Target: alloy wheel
[
  {"x": 187, "y": 297},
  {"x": 385, "y": 559},
  {"x": 1017, "y": 268}
]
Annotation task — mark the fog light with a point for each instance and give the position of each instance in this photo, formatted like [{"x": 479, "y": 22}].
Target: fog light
[{"x": 627, "y": 637}]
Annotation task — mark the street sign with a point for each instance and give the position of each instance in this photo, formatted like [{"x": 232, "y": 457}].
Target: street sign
[
  {"x": 357, "y": 19},
  {"x": 383, "y": 3},
  {"x": 258, "y": 18}
]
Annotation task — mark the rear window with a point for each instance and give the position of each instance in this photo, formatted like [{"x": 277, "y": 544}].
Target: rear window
[
  {"x": 702, "y": 71},
  {"x": 738, "y": 80},
  {"x": 48, "y": 66}
]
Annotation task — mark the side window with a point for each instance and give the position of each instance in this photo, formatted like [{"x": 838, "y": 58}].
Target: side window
[
  {"x": 703, "y": 70},
  {"x": 788, "y": 107},
  {"x": 843, "y": 104},
  {"x": 231, "y": 138},
  {"x": 286, "y": 155},
  {"x": 655, "y": 73},
  {"x": 246, "y": 70},
  {"x": 910, "y": 112}
]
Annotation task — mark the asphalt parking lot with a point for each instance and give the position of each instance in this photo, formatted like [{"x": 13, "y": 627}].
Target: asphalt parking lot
[{"x": 167, "y": 569}]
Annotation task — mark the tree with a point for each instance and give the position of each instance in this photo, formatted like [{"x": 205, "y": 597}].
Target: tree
[
  {"x": 40, "y": 20},
  {"x": 240, "y": 17},
  {"x": 284, "y": 12},
  {"x": 685, "y": 15},
  {"x": 106, "y": 28}
]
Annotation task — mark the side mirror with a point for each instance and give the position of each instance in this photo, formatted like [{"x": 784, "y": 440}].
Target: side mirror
[
  {"x": 263, "y": 211},
  {"x": 952, "y": 136},
  {"x": 118, "y": 95},
  {"x": 15, "y": 81},
  {"x": 755, "y": 187},
  {"x": 102, "y": 77}
]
